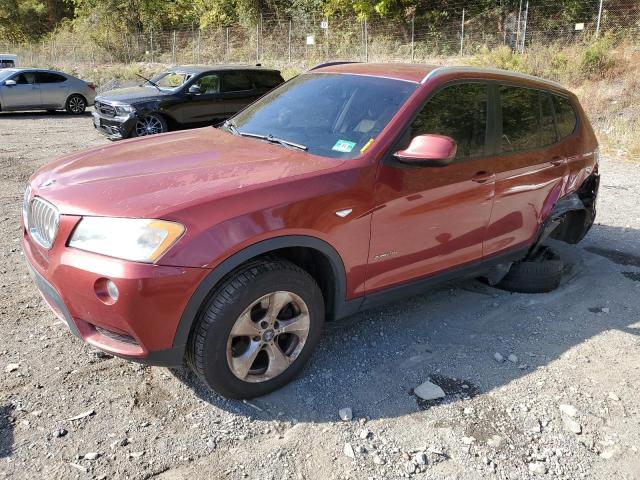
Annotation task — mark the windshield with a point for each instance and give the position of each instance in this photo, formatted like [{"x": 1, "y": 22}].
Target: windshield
[
  {"x": 333, "y": 115},
  {"x": 4, "y": 74},
  {"x": 170, "y": 79}
]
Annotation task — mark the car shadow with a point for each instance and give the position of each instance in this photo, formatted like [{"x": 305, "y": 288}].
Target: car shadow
[
  {"x": 35, "y": 115},
  {"x": 371, "y": 361},
  {"x": 6, "y": 431}
]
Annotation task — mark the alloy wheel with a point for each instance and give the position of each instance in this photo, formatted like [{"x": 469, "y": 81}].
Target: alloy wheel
[
  {"x": 268, "y": 336},
  {"x": 149, "y": 125},
  {"x": 76, "y": 105}
]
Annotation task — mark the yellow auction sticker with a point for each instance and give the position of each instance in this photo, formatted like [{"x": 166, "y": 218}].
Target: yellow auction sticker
[{"x": 367, "y": 145}]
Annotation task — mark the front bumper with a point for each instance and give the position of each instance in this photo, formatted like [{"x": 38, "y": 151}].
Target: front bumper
[
  {"x": 140, "y": 325},
  {"x": 114, "y": 128}
]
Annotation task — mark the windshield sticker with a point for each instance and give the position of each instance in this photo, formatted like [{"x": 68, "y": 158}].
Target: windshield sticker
[
  {"x": 343, "y": 146},
  {"x": 367, "y": 145}
]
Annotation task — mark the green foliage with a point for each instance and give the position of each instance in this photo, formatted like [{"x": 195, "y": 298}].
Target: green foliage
[{"x": 596, "y": 58}]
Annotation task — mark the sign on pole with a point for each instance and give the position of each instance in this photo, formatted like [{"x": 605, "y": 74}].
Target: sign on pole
[
  {"x": 311, "y": 40},
  {"x": 324, "y": 24}
]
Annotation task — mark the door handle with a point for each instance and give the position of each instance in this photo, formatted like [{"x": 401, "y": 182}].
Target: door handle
[
  {"x": 557, "y": 161},
  {"x": 482, "y": 177}
]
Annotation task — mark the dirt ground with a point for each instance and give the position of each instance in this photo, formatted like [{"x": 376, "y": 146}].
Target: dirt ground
[{"x": 578, "y": 346}]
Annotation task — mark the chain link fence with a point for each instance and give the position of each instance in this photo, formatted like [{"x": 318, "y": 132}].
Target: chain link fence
[{"x": 462, "y": 28}]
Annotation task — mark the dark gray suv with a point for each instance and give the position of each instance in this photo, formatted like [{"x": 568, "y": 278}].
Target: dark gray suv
[{"x": 180, "y": 97}]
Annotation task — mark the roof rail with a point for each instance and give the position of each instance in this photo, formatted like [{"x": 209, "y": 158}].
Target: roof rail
[{"x": 330, "y": 64}]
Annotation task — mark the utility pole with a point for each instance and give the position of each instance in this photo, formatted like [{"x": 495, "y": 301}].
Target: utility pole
[
  {"x": 366, "y": 41},
  {"x": 413, "y": 38},
  {"x": 173, "y": 48},
  {"x": 524, "y": 29}
]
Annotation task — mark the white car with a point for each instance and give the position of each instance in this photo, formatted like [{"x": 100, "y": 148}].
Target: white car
[
  {"x": 8, "y": 60},
  {"x": 39, "y": 89}
]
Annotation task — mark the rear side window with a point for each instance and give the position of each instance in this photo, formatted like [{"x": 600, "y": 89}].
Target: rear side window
[
  {"x": 266, "y": 79},
  {"x": 548, "y": 134},
  {"x": 48, "y": 77},
  {"x": 459, "y": 112},
  {"x": 4, "y": 63},
  {"x": 236, "y": 82},
  {"x": 520, "y": 119},
  {"x": 565, "y": 116}
]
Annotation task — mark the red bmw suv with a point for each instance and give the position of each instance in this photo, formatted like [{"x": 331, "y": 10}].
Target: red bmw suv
[{"x": 349, "y": 185}]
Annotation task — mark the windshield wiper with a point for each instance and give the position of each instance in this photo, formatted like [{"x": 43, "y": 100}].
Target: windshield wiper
[
  {"x": 149, "y": 81},
  {"x": 270, "y": 138}
]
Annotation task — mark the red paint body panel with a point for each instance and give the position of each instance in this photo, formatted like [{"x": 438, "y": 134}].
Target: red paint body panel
[{"x": 232, "y": 192}]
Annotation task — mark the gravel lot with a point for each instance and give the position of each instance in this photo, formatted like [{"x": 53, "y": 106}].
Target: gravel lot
[{"x": 578, "y": 346}]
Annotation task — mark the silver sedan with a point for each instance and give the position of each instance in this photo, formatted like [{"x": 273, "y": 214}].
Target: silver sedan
[{"x": 38, "y": 89}]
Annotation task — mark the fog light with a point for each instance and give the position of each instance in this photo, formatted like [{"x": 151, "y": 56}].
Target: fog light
[
  {"x": 112, "y": 290},
  {"x": 106, "y": 290}
]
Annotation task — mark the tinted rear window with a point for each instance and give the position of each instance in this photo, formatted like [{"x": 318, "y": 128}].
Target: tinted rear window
[
  {"x": 235, "y": 82},
  {"x": 49, "y": 77},
  {"x": 565, "y": 116},
  {"x": 520, "y": 119},
  {"x": 266, "y": 79}
]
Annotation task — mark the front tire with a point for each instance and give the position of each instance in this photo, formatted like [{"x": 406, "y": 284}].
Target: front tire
[
  {"x": 257, "y": 330},
  {"x": 76, "y": 104},
  {"x": 150, "y": 124}
]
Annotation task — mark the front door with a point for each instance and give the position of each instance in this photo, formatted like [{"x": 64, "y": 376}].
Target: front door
[
  {"x": 24, "y": 95},
  {"x": 430, "y": 219}
]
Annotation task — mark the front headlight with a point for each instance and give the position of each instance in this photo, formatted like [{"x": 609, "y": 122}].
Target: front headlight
[
  {"x": 122, "y": 110},
  {"x": 135, "y": 239}
]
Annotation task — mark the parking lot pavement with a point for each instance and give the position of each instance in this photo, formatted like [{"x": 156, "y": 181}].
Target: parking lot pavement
[{"x": 562, "y": 403}]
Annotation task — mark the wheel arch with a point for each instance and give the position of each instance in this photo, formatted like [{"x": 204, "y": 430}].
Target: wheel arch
[{"x": 312, "y": 254}]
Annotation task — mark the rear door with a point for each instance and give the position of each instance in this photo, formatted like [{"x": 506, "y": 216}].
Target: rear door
[
  {"x": 429, "y": 219},
  {"x": 24, "y": 95},
  {"x": 531, "y": 167},
  {"x": 238, "y": 91},
  {"x": 205, "y": 107},
  {"x": 54, "y": 89}
]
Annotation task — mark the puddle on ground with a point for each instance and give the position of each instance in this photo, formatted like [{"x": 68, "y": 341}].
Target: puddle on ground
[
  {"x": 455, "y": 389},
  {"x": 621, "y": 258},
  {"x": 635, "y": 276}
]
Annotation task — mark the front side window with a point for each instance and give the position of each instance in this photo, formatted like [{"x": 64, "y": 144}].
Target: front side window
[
  {"x": 4, "y": 63},
  {"x": 25, "y": 78},
  {"x": 236, "y": 82},
  {"x": 565, "y": 116},
  {"x": 209, "y": 84},
  {"x": 333, "y": 115},
  {"x": 460, "y": 112}
]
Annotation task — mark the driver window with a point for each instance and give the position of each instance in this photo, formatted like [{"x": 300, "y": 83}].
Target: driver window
[
  {"x": 208, "y": 84},
  {"x": 26, "y": 78},
  {"x": 459, "y": 112}
]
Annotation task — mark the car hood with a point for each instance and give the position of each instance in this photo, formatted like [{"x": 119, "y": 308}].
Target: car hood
[
  {"x": 156, "y": 176},
  {"x": 131, "y": 94}
]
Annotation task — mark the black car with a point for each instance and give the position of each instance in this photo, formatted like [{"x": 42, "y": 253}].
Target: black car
[{"x": 181, "y": 97}]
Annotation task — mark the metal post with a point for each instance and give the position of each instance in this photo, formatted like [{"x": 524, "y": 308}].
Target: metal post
[
  {"x": 462, "y": 33},
  {"x": 226, "y": 48},
  {"x": 366, "y": 41},
  {"x": 258, "y": 41},
  {"x": 173, "y": 48},
  {"x": 518, "y": 28},
  {"x": 599, "y": 17},
  {"x": 326, "y": 40},
  {"x": 413, "y": 38},
  {"x": 152, "y": 45},
  {"x": 289, "y": 42},
  {"x": 524, "y": 28}
]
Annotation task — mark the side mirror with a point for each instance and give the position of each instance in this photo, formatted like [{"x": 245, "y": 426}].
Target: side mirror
[
  {"x": 429, "y": 151},
  {"x": 10, "y": 83},
  {"x": 195, "y": 90}
]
